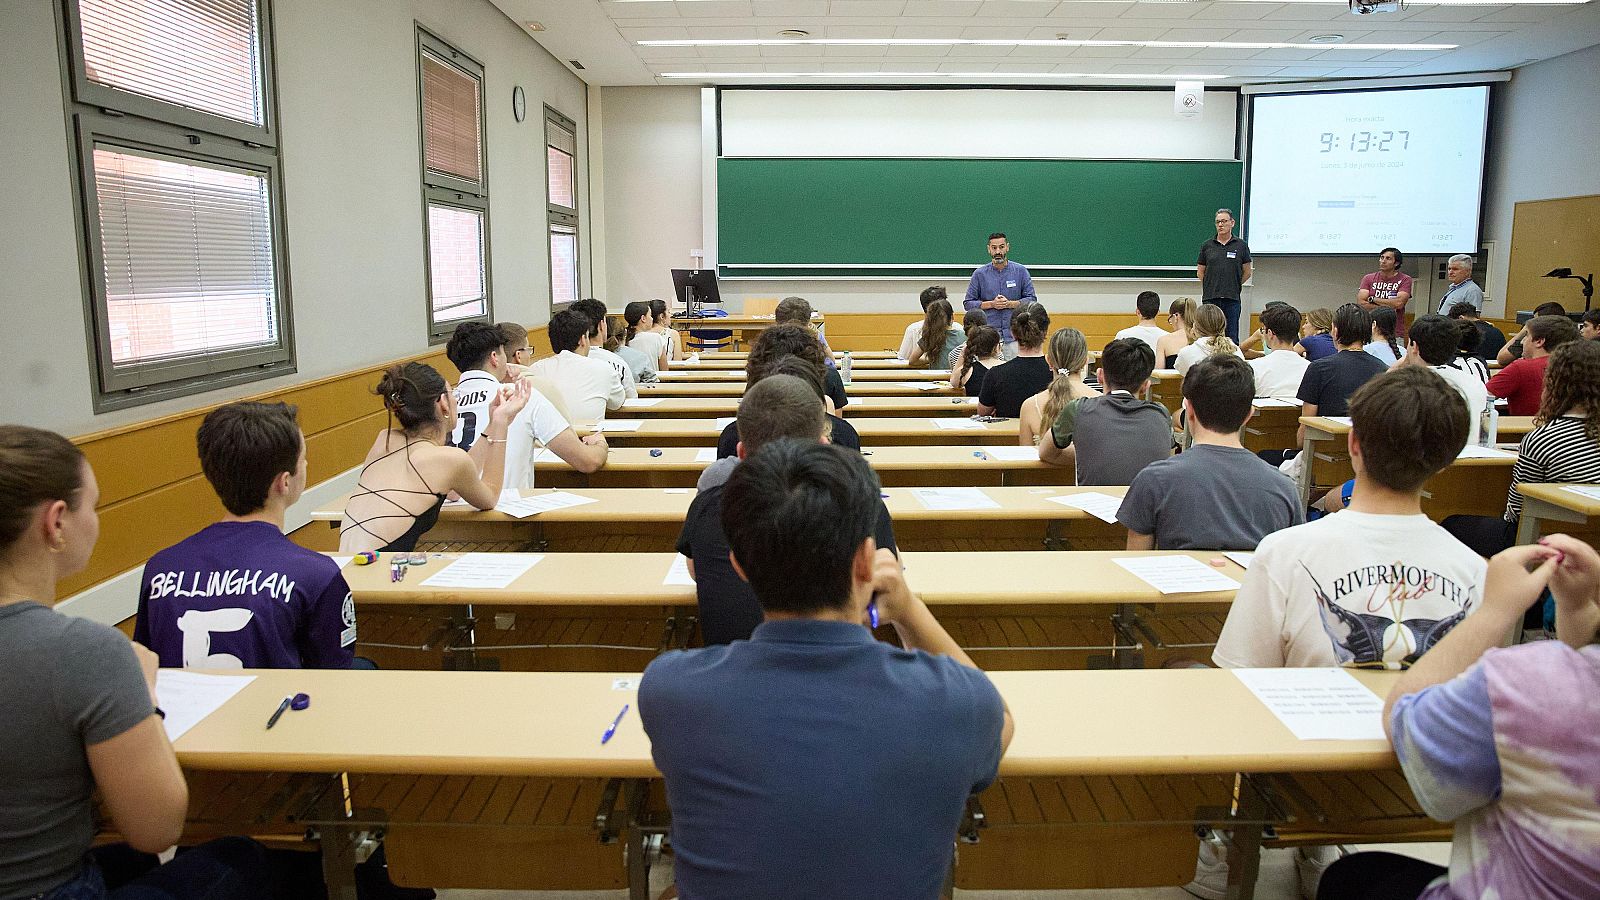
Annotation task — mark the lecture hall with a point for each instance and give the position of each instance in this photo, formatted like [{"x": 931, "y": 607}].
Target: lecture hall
[{"x": 458, "y": 450}]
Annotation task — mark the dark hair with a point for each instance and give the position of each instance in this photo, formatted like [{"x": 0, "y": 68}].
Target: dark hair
[
  {"x": 1553, "y": 330},
  {"x": 1463, "y": 308},
  {"x": 1399, "y": 258},
  {"x": 1283, "y": 321},
  {"x": 1410, "y": 423},
  {"x": 936, "y": 321},
  {"x": 658, "y": 310},
  {"x": 1030, "y": 324},
  {"x": 982, "y": 341},
  {"x": 795, "y": 513},
  {"x": 932, "y": 293},
  {"x": 1220, "y": 388},
  {"x": 36, "y": 466},
  {"x": 779, "y": 341},
  {"x": 471, "y": 345},
  {"x": 1592, "y": 317},
  {"x": 1148, "y": 303},
  {"x": 971, "y": 319},
  {"x": 1384, "y": 319},
  {"x": 1471, "y": 337},
  {"x": 409, "y": 392},
  {"x": 795, "y": 367},
  {"x": 998, "y": 234},
  {"x": 616, "y": 330},
  {"x": 511, "y": 334},
  {"x": 1549, "y": 308},
  {"x": 633, "y": 314},
  {"x": 792, "y": 309},
  {"x": 1437, "y": 338},
  {"x": 1125, "y": 363},
  {"x": 1572, "y": 381},
  {"x": 1351, "y": 325},
  {"x": 244, "y": 447},
  {"x": 594, "y": 309},
  {"x": 780, "y": 406},
  {"x": 567, "y": 328}
]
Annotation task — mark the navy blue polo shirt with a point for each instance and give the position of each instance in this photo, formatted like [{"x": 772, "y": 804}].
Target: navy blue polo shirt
[{"x": 814, "y": 761}]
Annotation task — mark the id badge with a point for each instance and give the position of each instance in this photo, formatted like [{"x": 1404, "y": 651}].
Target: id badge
[
  {"x": 1233, "y": 254},
  {"x": 1011, "y": 284}
]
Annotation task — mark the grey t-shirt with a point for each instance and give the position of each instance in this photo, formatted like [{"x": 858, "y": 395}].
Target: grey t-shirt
[
  {"x": 65, "y": 683},
  {"x": 1210, "y": 498},
  {"x": 1117, "y": 435}
]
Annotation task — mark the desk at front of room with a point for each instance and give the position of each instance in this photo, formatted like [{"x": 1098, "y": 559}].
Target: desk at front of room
[
  {"x": 901, "y": 387},
  {"x": 888, "y": 431},
  {"x": 941, "y": 404}
]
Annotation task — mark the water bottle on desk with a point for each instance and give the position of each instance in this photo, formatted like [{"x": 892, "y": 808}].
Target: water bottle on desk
[
  {"x": 1489, "y": 424},
  {"x": 844, "y": 368}
]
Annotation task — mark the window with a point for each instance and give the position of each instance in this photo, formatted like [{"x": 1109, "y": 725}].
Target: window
[
  {"x": 180, "y": 194},
  {"x": 454, "y": 185},
  {"x": 561, "y": 171}
]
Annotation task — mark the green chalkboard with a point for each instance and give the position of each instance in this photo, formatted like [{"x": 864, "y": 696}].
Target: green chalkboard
[{"x": 809, "y": 218}]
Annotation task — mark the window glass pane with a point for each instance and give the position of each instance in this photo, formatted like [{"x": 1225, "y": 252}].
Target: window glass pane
[
  {"x": 563, "y": 264},
  {"x": 452, "y": 137},
  {"x": 562, "y": 190},
  {"x": 201, "y": 54},
  {"x": 188, "y": 256},
  {"x": 455, "y": 262}
]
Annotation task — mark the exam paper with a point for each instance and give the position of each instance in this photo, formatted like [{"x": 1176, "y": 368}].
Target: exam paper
[
  {"x": 1013, "y": 453},
  {"x": 188, "y": 697},
  {"x": 1591, "y": 491},
  {"x": 1473, "y": 451},
  {"x": 950, "y": 499},
  {"x": 340, "y": 561},
  {"x": 641, "y": 403},
  {"x": 1326, "y": 704},
  {"x": 1241, "y": 557},
  {"x": 546, "y": 455},
  {"x": 614, "y": 425},
  {"x": 950, "y": 423},
  {"x": 705, "y": 455},
  {"x": 725, "y": 421},
  {"x": 678, "y": 573},
  {"x": 523, "y": 507},
  {"x": 944, "y": 372},
  {"x": 1342, "y": 420},
  {"x": 1177, "y": 574},
  {"x": 1264, "y": 402},
  {"x": 1102, "y": 506},
  {"x": 921, "y": 385},
  {"x": 483, "y": 571}
]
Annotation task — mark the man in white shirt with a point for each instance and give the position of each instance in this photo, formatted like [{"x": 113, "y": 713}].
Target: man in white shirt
[
  {"x": 589, "y": 385},
  {"x": 908, "y": 343},
  {"x": 475, "y": 350},
  {"x": 596, "y": 311},
  {"x": 1462, "y": 289},
  {"x": 1434, "y": 341},
  {"x": 1278, "y": 374},
  {"x": 1149, "y": 306}
]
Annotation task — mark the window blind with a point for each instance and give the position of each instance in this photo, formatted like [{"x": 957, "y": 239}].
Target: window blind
[
  {"x": 455, "y": 262},
  {"x": 199, "y": 54},
  {"x": 452, "y": 136}
]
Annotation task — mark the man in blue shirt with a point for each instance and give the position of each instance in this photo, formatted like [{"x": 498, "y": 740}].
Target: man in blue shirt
[
  {"x": 813, "y": 760},
  {"x": 999, "y": 288}
]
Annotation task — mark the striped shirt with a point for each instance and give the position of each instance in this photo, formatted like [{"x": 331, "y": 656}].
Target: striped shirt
[{"x": 1556, "y": 451}]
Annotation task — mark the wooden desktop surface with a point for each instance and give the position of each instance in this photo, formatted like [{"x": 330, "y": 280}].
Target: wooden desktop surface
[
  {"x": 1556, "y": 494},
  {"x": 1322, "y": 428},
  {"x": 712, "y": 323},
  {"x": 720, "y": 362},
  {"x": 886, "y": 459},
  {"x": 896, "y": 388},
  {"x": 887, "y": 431},
  {"x": 697, "y": 375},
  {"x": 742, "y": 355},
  {"x": 929, "y": 404}
]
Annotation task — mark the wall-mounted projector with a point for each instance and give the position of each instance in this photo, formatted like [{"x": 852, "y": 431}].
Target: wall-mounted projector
[{"x": 1367, "y": 7}]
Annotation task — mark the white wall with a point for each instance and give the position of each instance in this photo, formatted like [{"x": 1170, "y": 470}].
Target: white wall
[
  {"x": 347, "y": 96},
  {"x": 651, "y": 163}
]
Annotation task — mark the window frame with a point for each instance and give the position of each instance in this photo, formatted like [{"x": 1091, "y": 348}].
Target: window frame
[
  {"x": 95, "y": 114},
  {"x": 557, "y": 214},
  {"x": 448, "y": 190}
]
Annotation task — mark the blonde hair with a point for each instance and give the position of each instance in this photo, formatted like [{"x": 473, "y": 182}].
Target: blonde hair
[
  {"x": 1184, "y": 308},
  {"x": 1067, "y": 353},
  {"x": 1320, "y": 320},
  {"x": 1211, "y": 322}
]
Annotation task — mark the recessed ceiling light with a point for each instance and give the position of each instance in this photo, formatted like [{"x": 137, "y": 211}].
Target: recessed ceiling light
[
  {"x": 1032, "y": 42},
  {"x": 794, "y": 33},
  {"x": 534, "y": 26},
  {"x": 1325, "y": 38}
]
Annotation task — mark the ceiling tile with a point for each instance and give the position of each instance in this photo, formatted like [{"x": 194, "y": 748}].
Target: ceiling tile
[
  {"x": 1234, "y": 12},
  {"x": 952, "y": 8},
  {"x": 655, "y": 33},
  {"x": 1105, "y": 52},
  {"x": 1071, "y": 10},
  {"x": 994, "y": 33},
  {"x": 1166, "y": 53},
  {"x": 917, "y": 52},
  {"x": 788, "y": 8},
  {"x": 640, "y": 10},
  {"x": 866, "y": 7},
  {"x": 1016, "y": 9},
  {"x": 1196, "y": 34},
  {"x": 856, "y": 52},
  {"x": 1075, "y": 32},
  {"x": 1131, "y": 33},
  {"x": 705, "y": 9},
  {"x": 724, "y": 32},
  {"x": 1161, "y": 11},
  {"x": 968, "y": 65},
  {"x": 794, "y": 51},
  {"x": 1288, "y": 55}
]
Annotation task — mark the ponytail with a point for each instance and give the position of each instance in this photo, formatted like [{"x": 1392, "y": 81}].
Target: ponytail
[
  {"x": 1184, "y": 308},
  {"x": 982, "y": 342},
  {"x": 935, "y": 325},
  {"x": 1211, "y": 322},
  {"x": 1067, "y": 354},
  {"x": 633, "y": 314},
  {"x": 36, "y": 466}
]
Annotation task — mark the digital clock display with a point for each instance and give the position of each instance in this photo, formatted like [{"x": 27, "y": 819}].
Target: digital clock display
[{"x": 1366, "y": 141}]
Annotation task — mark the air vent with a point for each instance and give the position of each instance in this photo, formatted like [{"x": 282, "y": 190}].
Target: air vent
[
  {"x": 575, "y": 64},
  {"x": 794, "y": 33}
]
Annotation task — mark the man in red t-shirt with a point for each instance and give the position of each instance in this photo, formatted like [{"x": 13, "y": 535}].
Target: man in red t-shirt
[
  {"x": 1521, "y": 383},
  {"x": 1387, "y": 287}
]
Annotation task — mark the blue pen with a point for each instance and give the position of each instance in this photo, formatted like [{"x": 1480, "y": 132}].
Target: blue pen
[
  {"x": 872, "y": 613},
  {"x": 612, "y": 729}
]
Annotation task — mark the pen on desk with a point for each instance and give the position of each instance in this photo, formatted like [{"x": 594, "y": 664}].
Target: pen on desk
[
  {"x": 872, "y": 613},
  {"x": 612, "y": 728},
  {"x": 278, "y": 713}
]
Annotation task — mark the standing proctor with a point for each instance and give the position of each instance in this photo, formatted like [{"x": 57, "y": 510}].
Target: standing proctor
[
  {"x": 1462, "y": 289},
  {"x": 1224, "y": 267},
  {"x": 1387, "y": 287},
  {"x": 999, "y": 288}
]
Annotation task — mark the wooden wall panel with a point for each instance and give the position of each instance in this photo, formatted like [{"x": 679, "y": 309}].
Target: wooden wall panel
[{"x": 1552, "y": 234}]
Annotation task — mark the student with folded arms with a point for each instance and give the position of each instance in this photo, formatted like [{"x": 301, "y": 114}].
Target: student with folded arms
[
  {"x": 1503, "y": 741},
  {"x": 1280, "y": 371},
  {"x": 1110, "y": 439},
  {"x": 1068, "y": 356},
  {"x": 814, "y": 760},
  {"x": 1216, "y": 495}
]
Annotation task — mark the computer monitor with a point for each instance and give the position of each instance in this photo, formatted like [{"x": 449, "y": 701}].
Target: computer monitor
[{"x": 696, "y": 287}]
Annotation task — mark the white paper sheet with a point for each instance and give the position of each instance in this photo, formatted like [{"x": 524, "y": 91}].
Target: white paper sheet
[
  {"x": 1265, "y": 402},
  {"x": 523, "y": 507},
  {"x": 546, "y": 455},
  {"x": 1342, "y": 420},
  {"x": 705, "y": 455},
  {"x": 1177, "y": 574},
  {"x": 944, "y": 372},
  {"x": 859, "y": 401},
  {"x": 1473, "y": 451},
  {"x": 950, "y": 499},
  {"x": 1592, "y": 491},
  {"x": 1013, "y": 453},
  {"x": 921, "y": 385},
  {"x": 340, "y": 561},
  {"x": 951, "y": 423},
  {"x": 1325, "y": 704},
  {"x": 483, "y": 571},
  {"x": 1102, "y": 506},
  {"x": 675, "y": 490},
  {"x": 690, "y": 361},
  {"x": 641, "y": 403},
  {"x": 188, "y": 697},
  {"x": 725, "y": 421},
  {"x": 1241, "y": 557},
  {"x": 678, "y": 572},
  {"x": 616, "y": 425}
]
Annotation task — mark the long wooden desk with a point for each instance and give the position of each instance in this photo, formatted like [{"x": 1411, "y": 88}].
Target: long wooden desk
[
  {"x": 697, "y": 375},
  {"x": 1546, "y": 503},
  {"x": 926, "y": 404},
  {"x": 922, "y": 466},
  {"x": 742, "y": 326},
  {"x": 724, "y": 362},
  {"x": 725, "y": 388},
  {"x": 837, "y": 354},
  {"x": 887, "y": 431}
]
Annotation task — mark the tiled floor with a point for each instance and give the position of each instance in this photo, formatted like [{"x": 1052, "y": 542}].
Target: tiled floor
[{"x": 1278, "y": 882}]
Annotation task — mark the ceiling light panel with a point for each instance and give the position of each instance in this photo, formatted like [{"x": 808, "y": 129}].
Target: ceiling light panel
[{"x": 1034, "y": 42}]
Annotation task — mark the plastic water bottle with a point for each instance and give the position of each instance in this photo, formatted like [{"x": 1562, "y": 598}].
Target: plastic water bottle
[
  {"x": 844, "y": 369},
  {"x": 1489, "y": 424}
]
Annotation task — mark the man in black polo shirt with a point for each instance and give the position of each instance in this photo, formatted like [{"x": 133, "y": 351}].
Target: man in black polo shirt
[{"x": 1224, "y": 267}]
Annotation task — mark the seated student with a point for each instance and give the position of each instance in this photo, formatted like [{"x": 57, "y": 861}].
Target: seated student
[
  {"x": 1501, "y": 740},
  {"x": 1254, "y": 344},
  {"x": 1490, "y": 338},
  {"x": 644, "y": 369},
  {"x": 1563, "y": 446},
  {"x": 1111, "y": 439},
  {"x": 1210, "y": 338},
  {"x": 1514, "y": 349},
  {"x": 792, "y": 349},
  {"x": 1216, "y": 495},
  {"x": 79, "y": 705},
  {"x": 651, "y": 350},
  {"x": 1326, "y": 388},
  {"x": 814, "y": 760},
  {"x": 1382, "y": 343},
  {"x": 410, "y": 470},
  {"x": 1467, "y": 359},
  {"x": 908, "y": 343},
  {"x": 1148, "y": 305},
  {"x": 514, "y": 349},
  {"x": 1180, "y": 315},
  {"x": 1279, "y": 373},
  {"x": 1024, "y": 375},
  {"x": 797, "y": 311},
  {"x": 238, "y": 593},
  {"x": 1315, "y": 338},
  {"x": 938, "y": 338},
  {"x": 476, "y": 350},
  {"x": 780, "y": 406},
  {"x": 1589, "y": 328},
  {"x": 1068, "y": 356},
  {"x": 975, "y": 358},
  {"x": 971, "y": 319},
  {"x": 598, "y": 337},
  {"x": 661, "y": 323},
  {"x": 589, "y": 385},
  {"x": 1434, "y": 342},
  {"x": 1521, "y": 382}
]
